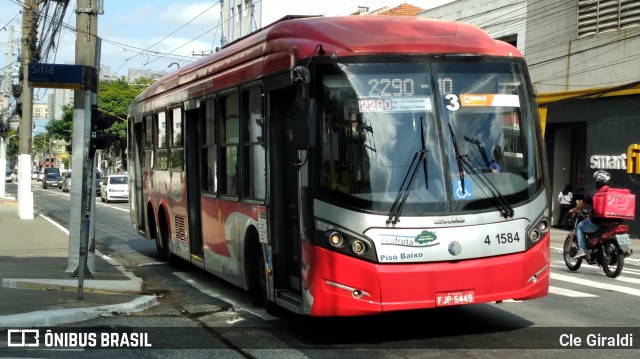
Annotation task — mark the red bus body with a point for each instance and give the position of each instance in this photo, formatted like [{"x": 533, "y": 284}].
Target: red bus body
[{"x": 230, "y": 228}]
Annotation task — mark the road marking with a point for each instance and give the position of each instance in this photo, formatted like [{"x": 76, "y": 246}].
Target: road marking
[
  {"x": 569, "y": 292},
  {"x": 621, "y": 278},
  {"x": 594, "y": 284}
]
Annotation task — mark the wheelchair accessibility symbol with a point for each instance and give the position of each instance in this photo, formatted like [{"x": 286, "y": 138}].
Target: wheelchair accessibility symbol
[{"x": 461, "y": 194}]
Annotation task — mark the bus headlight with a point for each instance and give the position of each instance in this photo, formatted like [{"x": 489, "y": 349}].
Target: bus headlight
[
  {"x": 539, "y": 229},
  {"x": 534, "y": 236},
  {"x": 544, "y": 225},
  {"x": 358, "y": 247},
  {"x": 336, "y": 239}
]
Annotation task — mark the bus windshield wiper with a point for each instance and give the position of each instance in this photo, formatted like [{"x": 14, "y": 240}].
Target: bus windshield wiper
[
  {"x": 480, "y": 148},
  {"x": 403, "y": 192},
  {"x": 456, "y": 150},
  {"x": 464, "y": 163}
]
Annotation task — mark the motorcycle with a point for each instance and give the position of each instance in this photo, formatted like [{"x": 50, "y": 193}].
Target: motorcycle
[{"x": 606, "y": 247}]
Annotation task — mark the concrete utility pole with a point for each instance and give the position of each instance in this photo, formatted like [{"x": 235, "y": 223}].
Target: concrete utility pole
[
  {"x": 28, "y": 46},
  {"x": 81, "y": 194},
  {"x": 7, "y": 93}
]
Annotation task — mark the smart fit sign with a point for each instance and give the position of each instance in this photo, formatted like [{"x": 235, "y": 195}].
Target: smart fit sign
[{"x": 629, "y": 161}]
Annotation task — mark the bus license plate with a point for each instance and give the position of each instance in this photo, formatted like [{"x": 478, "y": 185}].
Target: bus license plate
[
  {"x": 454, "y": 298},
  {"x": 623, "y": 239}
]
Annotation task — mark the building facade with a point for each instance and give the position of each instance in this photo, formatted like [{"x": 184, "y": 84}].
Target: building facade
[{"x": 57, "y": 100}]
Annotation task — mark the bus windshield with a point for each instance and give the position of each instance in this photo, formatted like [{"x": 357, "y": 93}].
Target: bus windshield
[{"x": 470, "y": 120}]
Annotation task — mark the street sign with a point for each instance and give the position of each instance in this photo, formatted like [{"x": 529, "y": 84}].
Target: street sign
[{"x": 74, "y": 77}]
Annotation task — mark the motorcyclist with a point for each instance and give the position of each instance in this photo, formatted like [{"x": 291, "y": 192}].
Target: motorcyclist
[{"x": 589, "y": 224}]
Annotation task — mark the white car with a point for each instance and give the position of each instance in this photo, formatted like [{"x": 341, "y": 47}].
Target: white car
[{"x": 115, "y": 187}]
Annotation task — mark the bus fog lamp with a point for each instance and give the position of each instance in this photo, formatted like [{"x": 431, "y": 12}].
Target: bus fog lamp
[
  {"x": 358, "y": 247},
  {"x": 336, "y": 239}
]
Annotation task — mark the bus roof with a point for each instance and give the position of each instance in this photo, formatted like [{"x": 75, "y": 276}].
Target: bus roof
[{"x": 279, "y": 46}]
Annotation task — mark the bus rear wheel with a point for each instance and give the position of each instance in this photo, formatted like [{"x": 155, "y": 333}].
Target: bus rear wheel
[{"x": 162, "y": 242}]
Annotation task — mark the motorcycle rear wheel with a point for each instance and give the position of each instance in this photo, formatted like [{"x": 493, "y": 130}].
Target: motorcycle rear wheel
[
  {"x": 569, "y": 250},
  {"x": 612, "y": 260}
]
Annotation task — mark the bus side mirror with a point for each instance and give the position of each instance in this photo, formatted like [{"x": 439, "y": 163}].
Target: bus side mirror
[{"x": 304, "y": 123}]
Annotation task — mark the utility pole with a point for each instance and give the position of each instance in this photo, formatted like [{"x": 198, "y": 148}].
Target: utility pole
[
  {"x": 28, "y": 46},
  {"x": 7, "y": 92},
  {"x": 82, "y": 248}
]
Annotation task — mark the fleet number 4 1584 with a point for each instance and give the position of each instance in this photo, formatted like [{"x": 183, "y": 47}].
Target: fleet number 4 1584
[{"x": 503, "y": 238}]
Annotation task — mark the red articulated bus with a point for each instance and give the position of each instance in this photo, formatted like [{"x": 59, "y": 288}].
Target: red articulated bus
[{"x": 344, "y": 166}]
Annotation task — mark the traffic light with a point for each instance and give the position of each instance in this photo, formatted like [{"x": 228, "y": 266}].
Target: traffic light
[{"x": 99, "y": 139}]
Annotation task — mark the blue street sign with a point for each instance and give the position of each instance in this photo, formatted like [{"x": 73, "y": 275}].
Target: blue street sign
[{"x": 75, "y": 77}]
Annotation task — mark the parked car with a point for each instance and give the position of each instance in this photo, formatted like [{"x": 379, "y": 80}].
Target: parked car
[
  {"x": 66, "y": 182},
  {"x": 52, "y": 179},
  {"x": 9, "y": 175},
  {"x": 34, "y": 175},
  {"x": 115, "y": 188},
  {"x": 99, "y": 181},
  {"x": 40, "y": 175}
]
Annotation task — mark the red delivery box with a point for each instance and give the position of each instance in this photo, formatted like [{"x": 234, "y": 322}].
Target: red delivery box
[{"x": 614, "y": 203}]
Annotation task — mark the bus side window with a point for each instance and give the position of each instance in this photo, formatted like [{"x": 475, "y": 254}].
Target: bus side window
[
  {"x": 148, "y": 142},
  {"x": 162, "y": 151},
  {"x": 253, "y": 140},
  {"x": 208, "y": 147},
  {"x": 229, "y": 136}
]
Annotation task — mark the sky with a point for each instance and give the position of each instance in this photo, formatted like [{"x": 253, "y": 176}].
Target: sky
[{"x": 155, "y": 34}]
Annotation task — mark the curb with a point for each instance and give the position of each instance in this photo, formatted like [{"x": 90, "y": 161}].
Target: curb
[
  {"x": 65, "y": 316},
  {"x": 71, "y": 285}
]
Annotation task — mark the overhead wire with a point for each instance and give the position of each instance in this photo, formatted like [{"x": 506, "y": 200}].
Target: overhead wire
[{"x": 538, "y": 17}]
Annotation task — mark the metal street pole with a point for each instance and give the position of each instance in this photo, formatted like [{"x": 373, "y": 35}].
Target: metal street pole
[
  {"x": 28, "y": 45},
  {"x": 3, "y": 161},
  {"x": 7, "y": 92},
  {"x": 86, "y": 44}
]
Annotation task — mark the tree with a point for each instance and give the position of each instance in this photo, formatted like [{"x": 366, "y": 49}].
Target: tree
[
  {"x": 62, "y": 129},
  {"x": 114, "y": 98}
]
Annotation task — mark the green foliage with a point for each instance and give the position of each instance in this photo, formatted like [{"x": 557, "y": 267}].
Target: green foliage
[
  {"x": 12, "y": 146},
  {"x": 114, "y": 98},
  {"x": 62, "y": 128}
]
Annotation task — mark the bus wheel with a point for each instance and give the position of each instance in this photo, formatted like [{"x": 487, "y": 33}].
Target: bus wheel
[
  {"x": 258, "y": 284},
  {"x": 161, "y": 245},
  {"x": 258, "y": 275},
  {"x": 162, "y": 241}
]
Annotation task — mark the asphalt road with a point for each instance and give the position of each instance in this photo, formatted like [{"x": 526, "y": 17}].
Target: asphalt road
[{"x": 197, "y": 310}]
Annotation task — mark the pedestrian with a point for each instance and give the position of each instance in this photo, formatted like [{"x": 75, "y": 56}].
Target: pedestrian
[
  {"x": 565, "y": 198},
  {"x": 495, "y": 165}
]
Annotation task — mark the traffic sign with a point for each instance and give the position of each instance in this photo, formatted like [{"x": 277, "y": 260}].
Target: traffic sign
[{"x": 74, "y": 77}]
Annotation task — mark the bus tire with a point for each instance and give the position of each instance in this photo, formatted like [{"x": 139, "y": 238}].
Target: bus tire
[
  {"x": 258, "y": 281},
  {"x": 257, "y": 274},
  {"x": 162, "y": 240}
]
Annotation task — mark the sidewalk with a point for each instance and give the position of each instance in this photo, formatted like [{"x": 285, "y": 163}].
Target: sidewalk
[{"x": 37, "y": 290}]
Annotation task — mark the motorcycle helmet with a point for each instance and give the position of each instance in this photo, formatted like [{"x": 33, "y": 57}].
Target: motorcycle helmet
[{"x": 601, "y": 176}]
